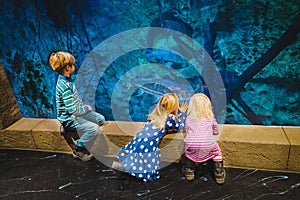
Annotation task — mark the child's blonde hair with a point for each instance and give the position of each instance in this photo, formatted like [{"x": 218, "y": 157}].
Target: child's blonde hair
[
  {"x": 61, "y": 59},
  {"x": 200, "y": 107},
  {"x": 168, "y": 104}
]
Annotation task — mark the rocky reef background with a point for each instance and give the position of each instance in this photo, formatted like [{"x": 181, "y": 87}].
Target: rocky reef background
[{"x": 32, "y": 29}]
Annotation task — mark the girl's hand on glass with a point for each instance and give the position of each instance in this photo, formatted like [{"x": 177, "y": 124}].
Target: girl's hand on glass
[
  {"x": 89, "y": 108},
  {"x": 184, "y": 106}
]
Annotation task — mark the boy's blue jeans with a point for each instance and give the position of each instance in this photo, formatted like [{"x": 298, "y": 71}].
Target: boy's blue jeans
[{"x": 87, "y": 127}]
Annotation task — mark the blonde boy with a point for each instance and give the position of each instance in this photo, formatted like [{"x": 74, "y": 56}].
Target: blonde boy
[{"x": 72, "y": 113}]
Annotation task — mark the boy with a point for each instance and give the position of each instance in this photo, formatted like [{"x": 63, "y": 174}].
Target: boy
[{"x": 71, "y": 112}]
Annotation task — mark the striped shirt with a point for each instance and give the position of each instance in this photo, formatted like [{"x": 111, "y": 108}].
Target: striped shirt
[
  {"x": 200, "y": 144},
  {"x": 68, "y": 103}
]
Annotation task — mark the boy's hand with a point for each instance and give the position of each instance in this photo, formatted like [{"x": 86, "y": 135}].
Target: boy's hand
[{"x": 184, "y": 106}]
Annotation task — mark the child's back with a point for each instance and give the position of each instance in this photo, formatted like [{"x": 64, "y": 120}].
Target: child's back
[{"x": 200, "y": 144}]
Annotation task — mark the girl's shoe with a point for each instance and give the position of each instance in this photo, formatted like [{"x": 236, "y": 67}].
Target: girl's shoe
[
  {"x": 188, "y": 173},
  {"x": 220, "y": 172},
  {"x": 117, "y": 166}
]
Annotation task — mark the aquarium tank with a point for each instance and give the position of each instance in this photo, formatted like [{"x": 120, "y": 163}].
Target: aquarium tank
[{"x": 244, "y": 55}]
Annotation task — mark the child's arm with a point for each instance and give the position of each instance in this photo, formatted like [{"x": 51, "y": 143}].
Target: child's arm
[
  {"x": 174, "y": 124},
  {"x": 215, "y": 127},
  {"x": 73, "y": 103}
]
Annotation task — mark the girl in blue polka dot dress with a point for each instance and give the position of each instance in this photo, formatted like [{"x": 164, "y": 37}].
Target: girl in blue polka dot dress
[{"x": 141, "y": 157}]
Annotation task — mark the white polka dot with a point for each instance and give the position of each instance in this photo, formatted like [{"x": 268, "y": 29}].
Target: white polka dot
[
  {"x": 146, "y": 150},
  {"x": 140, "y": 175},
  {"x": 140, "y": 168},
  {"x": 145, "y": 160},
  {"x": 142, "y": 146},
  {"x": 149, "y": 166},
  {"x": 139, "y": 139},
  {"x": 131, "y": 157},
  {"x": 145, "y": 139},
  {"x": 153, "y": 160},
  {"x": 151, "y": 143},
  {"x": 155, "y": 133},
  {"x": 153, "y": 127},
  {"x": 145, "y": 171},
  {"x": 157, "y": 139},
  {"x": 134, "y": 167},
  {"x": 154, "y": 148},
  {"x": 122, "y": 154},
  {"x": 141, "y": 161},
  {"x": 147, "y": 128}
]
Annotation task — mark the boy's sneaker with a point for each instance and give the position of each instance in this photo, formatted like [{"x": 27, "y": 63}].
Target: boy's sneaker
[
  {"x": 82, "y": 154},
  {"x": 188, "y": 173}
]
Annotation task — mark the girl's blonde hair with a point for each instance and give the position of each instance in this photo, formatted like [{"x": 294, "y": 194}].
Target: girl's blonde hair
[
  {"x": 200, "y": 107},
  {"x": 61, "y": 59},
  {"x": 168, "y": 104}
]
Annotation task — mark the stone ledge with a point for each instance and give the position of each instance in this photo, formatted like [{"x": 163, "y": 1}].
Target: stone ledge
[
  {"x": 120, "y": 133},
  {"x": 293, "y": 135},
  {"x": 243, "y": 146},
  {"x": 255, "y": 146},
  {"x": 34, "y": 134}
]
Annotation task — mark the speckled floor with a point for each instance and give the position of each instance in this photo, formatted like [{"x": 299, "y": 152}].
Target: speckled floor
[{"x": 42, "y": 176}]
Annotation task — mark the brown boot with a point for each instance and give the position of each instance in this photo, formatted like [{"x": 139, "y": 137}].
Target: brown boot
[
  {"x": 220, "y": 172},
  {"x": 188, "y": 173}
]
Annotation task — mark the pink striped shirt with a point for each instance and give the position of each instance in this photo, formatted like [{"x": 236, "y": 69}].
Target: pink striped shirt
[{"x": 200, "y": 144}]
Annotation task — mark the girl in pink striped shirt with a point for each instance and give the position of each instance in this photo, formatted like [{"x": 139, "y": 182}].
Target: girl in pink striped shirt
[{"x": 200, "y": 144}]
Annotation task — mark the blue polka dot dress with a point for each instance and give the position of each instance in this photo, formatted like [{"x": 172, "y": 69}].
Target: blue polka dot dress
[{"x": 141, "y": 157}]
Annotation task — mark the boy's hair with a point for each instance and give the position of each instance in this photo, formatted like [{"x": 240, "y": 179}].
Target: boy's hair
[
  {"x": 168, "y": 104},
  {"x": 200, "y": 107},
  {"x": 59, "y": 60}
]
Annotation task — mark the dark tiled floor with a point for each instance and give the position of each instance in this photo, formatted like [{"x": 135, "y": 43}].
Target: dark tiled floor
[{"x": 39, "y": 175}]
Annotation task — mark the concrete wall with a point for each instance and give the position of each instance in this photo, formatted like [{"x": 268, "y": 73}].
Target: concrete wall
[{"x": 243, "y": 146}]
